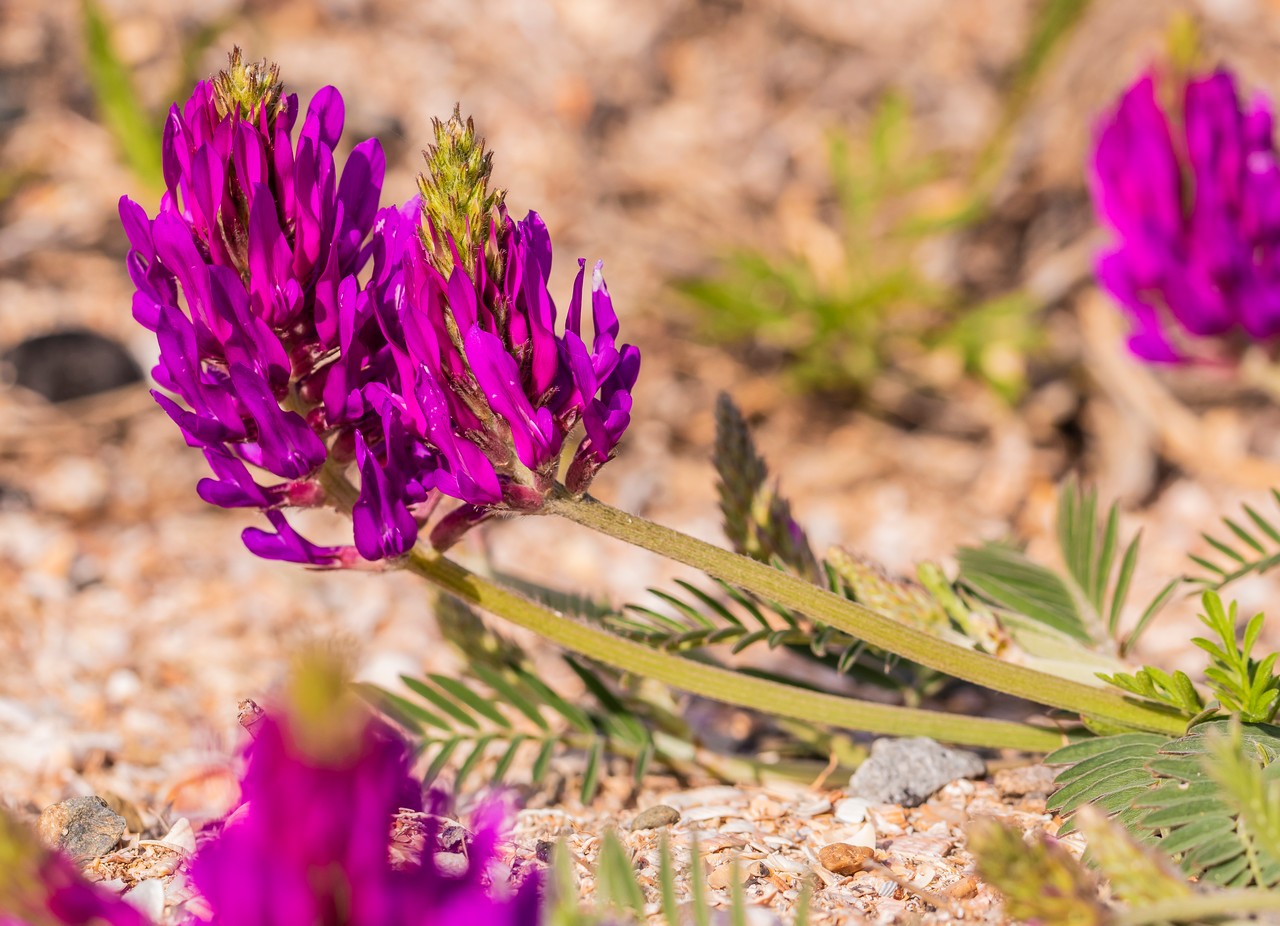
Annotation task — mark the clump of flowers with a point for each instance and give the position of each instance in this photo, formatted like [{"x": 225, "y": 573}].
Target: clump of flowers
[
  {"x": 310, "y": 333},
  {"x": 1195, "y": 201}
]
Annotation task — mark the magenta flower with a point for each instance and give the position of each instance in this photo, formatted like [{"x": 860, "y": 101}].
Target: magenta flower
[
  {"x": 1197, "y": 212},
  {"x": 238, "y": 275},
  {"x": 483, "y": 376},
  {"x": 42, "y": 888},
  {"x": 310, "y": 844}
]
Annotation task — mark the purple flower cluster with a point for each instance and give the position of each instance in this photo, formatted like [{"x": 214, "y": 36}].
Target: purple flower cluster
[
  {"x": 310, "y": 844},
  {"x": 479, "y": 375},
  {"x": 1197, "y": 211},
  {"x": 307, "y": 331}
]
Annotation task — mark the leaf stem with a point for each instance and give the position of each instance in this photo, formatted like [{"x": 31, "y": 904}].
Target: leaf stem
[
  {"x": 722, "y": 684},
  {"x": 1200, "y": 907},
  {"x": 865, "y": 624}
]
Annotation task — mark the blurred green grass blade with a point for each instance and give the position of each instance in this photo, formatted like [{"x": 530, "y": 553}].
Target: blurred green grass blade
[
  {"x": 119, "y": 106},
  {"x": 616, "y": 878},
  {"x": 667, "y": 877},
  {"x": 697, "y": 883}
]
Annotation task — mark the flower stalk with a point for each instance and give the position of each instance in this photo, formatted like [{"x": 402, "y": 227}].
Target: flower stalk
[
  {"x": 713, "y": 682},
  {"x": 723, "y": 684},
  {"x": 876, "y": 629}
]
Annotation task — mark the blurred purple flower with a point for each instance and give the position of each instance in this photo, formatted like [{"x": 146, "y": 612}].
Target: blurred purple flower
[
  {"x": 43, "y": 888},
  {"x": 310, "y": 844},
  {"x": 1198, "y": 217}
]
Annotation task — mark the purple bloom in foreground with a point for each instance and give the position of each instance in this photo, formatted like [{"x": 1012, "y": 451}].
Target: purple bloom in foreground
[
  {"x": 310, "y": 844},
  {"x": 1197, "y": 212},
  {"x": 42, "y": 888},
  {"x": 313, "y": 336}
]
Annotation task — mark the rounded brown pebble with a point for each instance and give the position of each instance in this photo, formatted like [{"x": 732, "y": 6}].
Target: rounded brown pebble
[
  {"x": 83, "y": 827},
  {"x": 843, "y": 859},
  {"x": 653, "y": 817}
]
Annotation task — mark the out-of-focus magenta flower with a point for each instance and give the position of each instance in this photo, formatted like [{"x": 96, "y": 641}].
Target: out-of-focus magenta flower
[
  {"x": 306, "y": 330},
  {"x": 1197, "y": 212},
  {"x": 42, "y": 888},
  {"x": 310, "y": 844}
]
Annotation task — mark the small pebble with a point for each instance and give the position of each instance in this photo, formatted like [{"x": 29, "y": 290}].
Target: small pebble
[
  {"x": 655, "y": 817},
  {"x": 909, "y": 771},
  {"x": 70, "y": 364},
  {"x": 127, "y": 809},
  {"x": 451, "y": 864},
  {"x": 83, "y": 827},
  {"x": 843, "y": 859}
]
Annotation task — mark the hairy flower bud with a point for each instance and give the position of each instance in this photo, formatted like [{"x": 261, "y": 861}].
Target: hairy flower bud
[
  {"x": 458, "y": 208},
  {"x": 248, "y": 89}
]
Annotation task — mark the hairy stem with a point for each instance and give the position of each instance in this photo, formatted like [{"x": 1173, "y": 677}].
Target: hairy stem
[
  {"x": 1216, "y": 905},
  {"x": 722, "y": 684},
  {"x": 876, "y": 629}
]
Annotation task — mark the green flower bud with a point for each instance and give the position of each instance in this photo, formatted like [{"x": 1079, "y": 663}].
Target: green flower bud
[
  {"x": 456, "y": 200},
  {"x": 244, "y": 88}
]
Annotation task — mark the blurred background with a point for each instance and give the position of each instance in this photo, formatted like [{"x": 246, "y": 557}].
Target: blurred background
[{"x": 867, "y": 221}]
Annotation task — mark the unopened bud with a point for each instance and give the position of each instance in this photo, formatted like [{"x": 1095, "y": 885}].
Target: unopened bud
[
  {"x": 248, "y": 89},
  {"x": 456, "y": 199}
]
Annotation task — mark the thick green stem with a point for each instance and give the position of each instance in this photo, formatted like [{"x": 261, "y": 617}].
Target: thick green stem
[
  {"x": 1197, "y": 907},
  {"x": 722, "y": 684},
  {"x": 876, "y": 629}
]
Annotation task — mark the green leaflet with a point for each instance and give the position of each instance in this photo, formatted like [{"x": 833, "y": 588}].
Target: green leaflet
[
  {"x": 1209, "y": 800},
  {"x": 1085, "y": 602},
  {"x": 501, "y": 713},
  {"x": 1252, "y": 548}
]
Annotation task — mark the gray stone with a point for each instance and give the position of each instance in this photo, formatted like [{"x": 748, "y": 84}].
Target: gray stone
[
  {"x": 654, "y": 817},
  {"x": 82, "y": 827},
  {"x": 908, "y": 771}
]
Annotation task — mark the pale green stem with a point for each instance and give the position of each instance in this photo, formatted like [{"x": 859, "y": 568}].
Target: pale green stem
[
  {"x": 865, "y": 624},
  {"x": 722, "y": 684},
  {"x": 696, "y": 678},
  {"x": 1201, "y": 907}
]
